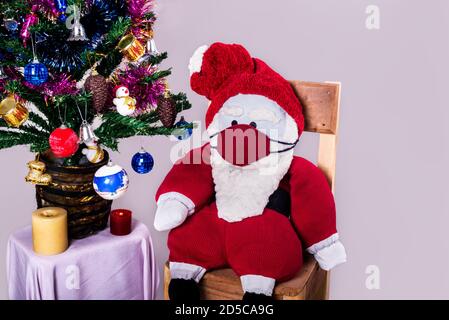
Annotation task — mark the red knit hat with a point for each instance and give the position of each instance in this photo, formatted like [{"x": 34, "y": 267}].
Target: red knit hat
[{"x": 228, "y": 69}]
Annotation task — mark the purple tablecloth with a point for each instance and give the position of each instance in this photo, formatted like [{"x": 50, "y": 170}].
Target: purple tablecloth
[{"x": 99, "y": 267}]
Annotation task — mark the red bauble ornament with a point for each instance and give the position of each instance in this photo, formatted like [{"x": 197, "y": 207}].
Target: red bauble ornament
[{"x": 63, "y": 142}]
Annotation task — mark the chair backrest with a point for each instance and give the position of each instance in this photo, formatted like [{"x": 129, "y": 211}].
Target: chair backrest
[{"x": 321, "y": 104}]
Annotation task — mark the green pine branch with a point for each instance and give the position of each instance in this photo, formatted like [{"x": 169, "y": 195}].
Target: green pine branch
[
  {"x": 149, "y": 117},
  {"x": 3, "y": 124},
  {"x": 116, "y": 126},
  {"x": 38, "y": 120},
  {"x": 16, "y": 87},
  {"x": 118, "y": 30},
  {"x": 157, "y": 58},
  {"x": 156, "y": 76},
  {"x": 10, "y": 139},
  {"x": 112, "y": 142},
  {"x": 46, "y": 26},
  {"x": 27, "y": 127},
  {"x": 108, "y": 53},
  {"x": 11, "y": 8},
  {"x": 109, "y": 63},
  {"x": 68, "y": 107},
  {"x": 77, "y": 3},
  {"x": 149, "y": 16},
  {"x": 15, "y": 47}
]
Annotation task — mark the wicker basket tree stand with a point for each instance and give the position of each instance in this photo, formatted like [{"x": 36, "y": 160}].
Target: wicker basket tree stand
[{"x": 72, "y": 189}]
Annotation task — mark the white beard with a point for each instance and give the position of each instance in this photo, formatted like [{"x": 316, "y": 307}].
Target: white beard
[{"x": 243, "y": 192}]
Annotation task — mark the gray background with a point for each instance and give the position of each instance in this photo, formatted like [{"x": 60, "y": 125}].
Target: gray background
[{"x": 391, "y": 190}]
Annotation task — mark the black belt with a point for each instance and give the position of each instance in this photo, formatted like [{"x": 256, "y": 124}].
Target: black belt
[{"x": 279, "y": 201}]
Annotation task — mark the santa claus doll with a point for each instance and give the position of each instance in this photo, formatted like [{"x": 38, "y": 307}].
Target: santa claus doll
[{"x": 244, "y": 200}]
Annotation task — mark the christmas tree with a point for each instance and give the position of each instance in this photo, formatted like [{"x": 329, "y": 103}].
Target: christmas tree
[{"x": 82, "y": 64}]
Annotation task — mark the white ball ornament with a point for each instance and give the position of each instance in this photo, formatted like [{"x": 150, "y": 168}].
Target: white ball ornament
[{"x": 111, "y": 181}]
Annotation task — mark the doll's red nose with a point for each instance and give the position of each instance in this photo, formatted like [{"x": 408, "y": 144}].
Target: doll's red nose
[{"x": 243, "y": 144}]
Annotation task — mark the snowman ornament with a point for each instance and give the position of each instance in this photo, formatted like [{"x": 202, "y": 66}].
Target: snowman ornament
[
  {"x": 125, "y": 104},
  {"x": 93, "y": 152}
]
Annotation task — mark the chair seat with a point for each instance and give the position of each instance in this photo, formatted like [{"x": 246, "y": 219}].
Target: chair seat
[{"x": 223, "y": 284}]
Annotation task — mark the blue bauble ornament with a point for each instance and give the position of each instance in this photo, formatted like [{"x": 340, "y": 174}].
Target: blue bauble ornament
[
  {"x": 182, "y": 133},
  {"x": 142, "y": 162},
  {"x": 62, "y": 17},
  {"x": 11, "y": 25},
  {"x": 111, "y": 181},
  {"x": 61, "y": 6},
  {"x": 35, "y": 73}
]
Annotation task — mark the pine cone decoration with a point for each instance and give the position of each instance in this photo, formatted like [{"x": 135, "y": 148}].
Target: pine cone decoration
[
  {"x": 97, "y": 85},
  {"x": 166, "y": 110}
]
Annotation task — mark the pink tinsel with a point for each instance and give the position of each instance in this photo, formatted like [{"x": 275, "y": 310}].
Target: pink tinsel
[
  {"x": 31, "y": 19},
  {"x": 12, "y": 74},
  {"x": 146, "y": 95},
  {"x": 2, "y": 85},
  {"x": 137, "y": 9},
  {"x": 46, "y": 7},
  {"x": 60, "y": 84}
]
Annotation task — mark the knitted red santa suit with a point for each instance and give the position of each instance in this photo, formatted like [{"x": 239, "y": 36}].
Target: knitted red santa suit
[{"x": 245, "y": 200}]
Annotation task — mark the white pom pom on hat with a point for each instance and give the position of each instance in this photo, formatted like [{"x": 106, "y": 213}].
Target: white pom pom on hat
[{"x": 196, "y": 60}]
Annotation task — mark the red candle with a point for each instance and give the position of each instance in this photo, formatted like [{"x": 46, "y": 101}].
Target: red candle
[{"x": 120, "y": 222}]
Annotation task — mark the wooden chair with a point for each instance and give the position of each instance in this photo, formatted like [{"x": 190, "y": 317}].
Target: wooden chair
[{"x": 321, "y": 102}]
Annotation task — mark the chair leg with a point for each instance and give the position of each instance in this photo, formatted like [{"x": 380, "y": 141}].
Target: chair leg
[
  {"x": 166, "y": 281},
  {"x": 300, "y": 296},
  {"x": 320, "y": 292}
]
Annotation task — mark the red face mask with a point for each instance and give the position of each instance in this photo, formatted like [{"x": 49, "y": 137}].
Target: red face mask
[{"x": 242, "y": 144}]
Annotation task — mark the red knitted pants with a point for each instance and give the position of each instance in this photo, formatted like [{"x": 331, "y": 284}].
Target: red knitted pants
[{"x": 264, "y": 245}]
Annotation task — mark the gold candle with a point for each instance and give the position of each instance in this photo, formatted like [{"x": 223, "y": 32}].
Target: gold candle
[
  {"x": 131, "y": 47},
  {"x": 13, "y": 111},
  {"x": 49, "y": 227}
]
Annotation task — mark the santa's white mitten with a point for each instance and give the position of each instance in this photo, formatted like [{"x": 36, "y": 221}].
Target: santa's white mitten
[
  {"x": 173, "y": 208},
  {"x": 329, "y": 252},
  {"x": 169, "y": 215}
]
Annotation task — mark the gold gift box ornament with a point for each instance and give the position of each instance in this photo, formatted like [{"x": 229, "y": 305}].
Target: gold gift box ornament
[
  {"x": 13, "y": 111},
  {"x": 131, "y": 47}
]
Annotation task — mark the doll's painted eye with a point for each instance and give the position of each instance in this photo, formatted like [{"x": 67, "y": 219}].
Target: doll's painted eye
[
  {"x": 253, "y": 124},
  {"x": 234, "y": 122}
]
